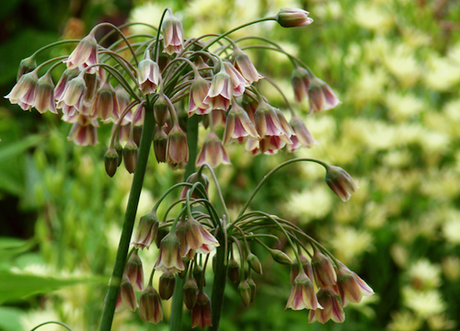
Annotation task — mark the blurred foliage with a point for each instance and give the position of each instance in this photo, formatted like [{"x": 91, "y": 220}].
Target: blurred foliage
[{"x": 396, "y": 66}]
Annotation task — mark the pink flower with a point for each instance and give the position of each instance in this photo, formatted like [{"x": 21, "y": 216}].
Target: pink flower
[
  {"x": 340, "y": 182},
  {"x": 198, "y": 238},
  {"x": 169, "y": 258},
  {"x": 74, "y": 93},
  {"x": 292, "y": 17},
  {"x": 44, "y": 97},
  {"x": 212, "y": 152},
  {"x": 173, "y": 35},
  {"x": 238, "y": 126},
  {"x": 146, "y": 230},
  {"x": 150, "y": 309},
  {"x": 323, "y": 270},
  {"x": 302, "y": 294},
  {"x": 351, "y": 287},
  {"x": 321, "y": 96},
  {"x": 244, "y": 65},
  {"x": 148, "y": 75},
  {"x": 201, "y": 313},
  {"x": 176, "y": 147},
  {"x": 84, "y": 54},
  {"x": 239, "y": 82},
  {"x": 134, "y": 270},
  {"x": 268, "y": 123},
  {"x": 301, "y": 135},
  {"x": 220, "y": 94},
  {"x": 23, "y": 93},
  {"x": 83, "y": 131},
  {"x": 331, "y": 308},
  {"x": 105, "y": 104},
  {"x": 198, "y": 92}
]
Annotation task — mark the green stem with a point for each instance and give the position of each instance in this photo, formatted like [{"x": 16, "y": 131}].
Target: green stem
[
  {"x": 178, "y": 296},
  {"x": 220, "y": 279},
  {"x": 51, "y": 322},
  {"x": 128, "y": 224}
]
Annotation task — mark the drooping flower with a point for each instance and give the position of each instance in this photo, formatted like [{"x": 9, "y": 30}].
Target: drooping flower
[
  {"x": 134, "y": 270},
  {"x": 239, "y": 82},
  {"x": 148, "y": 75},
  {"x": 300, "y": 82},
  {"x": 351, "y": 287},
  {"x": 150, "y": 309},
  {"x": 306, "y": 265},
  {"x": 44, "y": 96},
  {"x": 301, "y": 135},
  {"x": 176, "y": 147},
  {"x": 220, "y": 94},
  {"x": 105, "y": 104},
  {"x": 331, "y": 308},
  {"x": 160, "y": 141},
  {"x": 23, "y": 93},
  {"x": 83, "y": 131},
  {"x": 267, "y": 123},
  {"x": 340, "y": 182},
  {"x": 212, "y": 151},
  {"x": 146, "y": 230},
  {"x": 238, "y": 126},
  {"x": 190, "y": 293},
  {"x": 289, "y": 17},
  {"x": 302, "y": 294},
  {"x": 198, "y": 238},
  {"x": 198, "y": 92},
  {"x": 323, "y": 270},
  {"x": 60, "y": 88},
  {"x": 192, "y": 179},
  {"x": 243, "y": 64},
  {"x": 128, "y": 297},
  {"x": 85, "y": 54},
  {"x": 321, "y": 96},
  {"x": 169, "y": 257},
  {"x": 201, "y": 313},
  {"x": 245, "y": 292},
  {"x": 74, "y": 93},
  {"x": 166, "y": 285},
  {"x": 173, "y": 35}
]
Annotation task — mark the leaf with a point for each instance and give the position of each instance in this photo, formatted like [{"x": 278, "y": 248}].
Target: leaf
[
  {"x": 17, "y": 285},
  {"x": 10, "y": 319}
]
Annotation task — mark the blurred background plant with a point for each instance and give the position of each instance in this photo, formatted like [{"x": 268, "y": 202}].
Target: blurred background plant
[{"x": 396, "y": 67}]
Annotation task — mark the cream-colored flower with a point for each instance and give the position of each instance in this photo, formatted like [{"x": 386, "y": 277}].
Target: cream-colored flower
[
  {"x": 312, "y": 203},
  {"x": 349, "y": 243},
  {"x": 368, "y": 86},
  {"x": 424, "y": 274},
  {"x": 425, "y": 303},
  {"x": 403, "y": 107},
  {"x": 451, "y": 231},
  {"x": 372, "y": 17},
  {"x": 405, "y": 321},
  {"x": 402, "y": 63},
  {"x": 441, "y": 74}
]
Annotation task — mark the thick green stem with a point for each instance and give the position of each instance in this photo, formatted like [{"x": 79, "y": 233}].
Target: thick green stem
[
  {"x": 218, "y": 286},
  {"x": 128, "y": 224},
  {"x": 178, "y": 297}
]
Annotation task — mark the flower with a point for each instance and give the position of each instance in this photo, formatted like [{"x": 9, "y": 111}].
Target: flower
[
  {"x": 161, "y": 110},
  {"x": 268, "y": 123},
  {"x": 106, "y": 104},
  {"x": 212, "y": 151},
  {"x": 244, "y": 65},
  {"x": 198, "y": 92},
  {"x": 130, "y": 155},
  {"x": 331, "y": 308},
  {"x": 201, "y": 313},
  {"x": 245, "y": 292},
  {"x": 128, "y": 297},
  {"x": 351, "y": 287},
  {"x": 44, "y": 95},
  {"x": 74, "y": 94},
  {"x": 220, "y": 94},
  {"x": 239, "y": 82},
  {"x": 340, "y": 182},
  {"x": 295, "y": 268},
  {"x": 166, "y": 285},
  {"x": 192, "y": 179},
  {"x": 302, "y": 294},
  {"x": 301, "y": 135},
  {"x": 169, "y": 257},
  {"x": 176, "y": 147},
  {"x": 190, "y": 293},
  {"x": 84, "y": 54},
  {"x": 63, "y": 81},
  {"x": 300, "y": 82},
  {"x": 173, "y": 35},
  {"x": 134, "y": 270},
  {"x": 323, "y": 270},
  {"x": 83, "y": 131},
  {"x": 321, "y": 96},
  {"x": 23, "y": 93},
  {"x": 148, "y": 75},
  {"x": 238, "y": 126},
  {"x": 146, "y": 230},
  {"x": 198, "y": 239},
  {"x": 289, "y": 17},
  {"x": 160, "y": 141},
  {"x": 150, "y": 309}
]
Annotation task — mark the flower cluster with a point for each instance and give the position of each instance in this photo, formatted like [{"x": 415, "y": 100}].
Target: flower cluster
[{"x": 209, "y": 77}]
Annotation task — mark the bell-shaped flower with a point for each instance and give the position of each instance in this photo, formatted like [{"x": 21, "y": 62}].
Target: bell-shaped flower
[
  {"x": 289, "y": 17},
  {"x": 243, "y": 64},
  {"x": 173, "y": 35},
  {"x": 190, "y": 293},
  {"x": 198, "y": 238},
  {"x": 323, "y": 270},
  {"x": 295, "y": 268},
  {"x": 198, "y": 92},
  {"x": 74, "y": 93},
  {"x": 92, "y": 83},
  {"x": 150, "y": 309},
  {"x": 61, "y": 86},
  {"x": 239, "y": 82},
  {"x": 331, "y": 308},
  {"x": 300, "y": 82},
  {"x": 146, "y": 230},
  {"x": 23, "y": 93},
  {"x": 321, "y": 96},
  {"x": 301, "y": 135},
  {"x": 268, "y": 123},
  {"x": 340, "y": 182},
  {"x": 212, "y": 151},
  {"x": 195, "y": 178},
  {"x": 148, "y": 75},
  {"x": 85, "y": 54},
  {"x": 220, "y": 94},
  {"x": 84, "y": 131},
  {"x": 201, "y": 313},
  {"x": 238, "y": 126},
  {"x": 105, "y": 104},
  {"x": 302, "y": 294},
  {"x": 176, "y": 147},
  {"x": 128, "y": 297},
  {"x": 351, "y": 287},
  {"x": 44, "y": 96},
  {"x": 169, "y": 258},
  {"x": 134, "y": 270}
]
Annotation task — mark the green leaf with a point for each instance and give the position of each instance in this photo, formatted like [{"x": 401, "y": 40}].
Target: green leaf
[
  {"x": 10, "y": 319},
  {"x": 19, "y": 285}
]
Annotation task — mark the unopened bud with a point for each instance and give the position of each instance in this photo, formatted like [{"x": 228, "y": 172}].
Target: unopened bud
[
  {"x": 119, "y": 150},
  {"x": 233, "y": 270},
  {"x": 254, "y": 263},
  {"x": 281, "y": 257},
  {"x": 253, "y": 287},
  {"x": 292, "y": 17},
  {"x": 130, "y": 156},
  {"x": 162, "y": 232},
  {"x": 160, "y": 140},
  {"x": 111, "y": 161},
  {"x": 27, "y": 65},
  {"x": 161, "y": 110},
  {"x": 245, "y": 292},
  {"x": 190, "y": 293},
  {"x": 134, "y": 270},
  {"x": 146, "y": 230},
  {"x": 166, "y": 287}
]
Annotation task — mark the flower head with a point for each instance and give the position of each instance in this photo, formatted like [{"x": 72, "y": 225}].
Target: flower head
[
  {"x": 302, "y": 294},
  {"x": 150, "y": 309},
  {"x": 289, "y": 17},
  {"x": 321, "y": 96},
  {"x": 220, "y": 94},
  {"x": 84, "y": 54},
  {"x": 238, "y": 126},
  {"x": 300, "y": 82},
  {"x": 331, "y": 308},
  {"x": 169, "y": 258},
  {"x": 340, "y": 182},
  {"x": 198, "y": 91},
  {"x": 173, "y": 35},
  {"x": 23, "y": 93},
  {"x": 212, "y": 151}
]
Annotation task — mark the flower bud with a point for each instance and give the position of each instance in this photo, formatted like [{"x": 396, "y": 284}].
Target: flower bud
[
  {"x": 245, "y": 292},
  {"x": 321, "y": 96},
  {"x": 119, "y": 150},
  {"x": 150, "y": 309},
  {"x": 160, "y": 141},
  {"x": 292, "y": 17},
  {"x": 128, "y": 296},
  {"x": 166, "y": 286},
  {"x": 192, "y": 179},
  {"x": 190, "y": 293},
  {"x": 146, "y": 230},
  {"x": 162, "y": 232},
  {"x": 201, "y": 313},
  {"x": 340, "y": 182},
  {"x": 233, "y": 270},
  {"x": 111, "y": 161},
  {"x": 281, "y": 257},
  {"x": 323, "y": 270},
  {"x": 27, "y": 65},
  {"x": 254, "y": 263},
  {"x": 161, "y": 110},
  {"x": 176, "y": 148},
  {"x": 130, "y": 156},
  {"x": 253, "y": 287},
  {"x": 134, "y": 270},
  {"x": 44, "y": 96}
]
